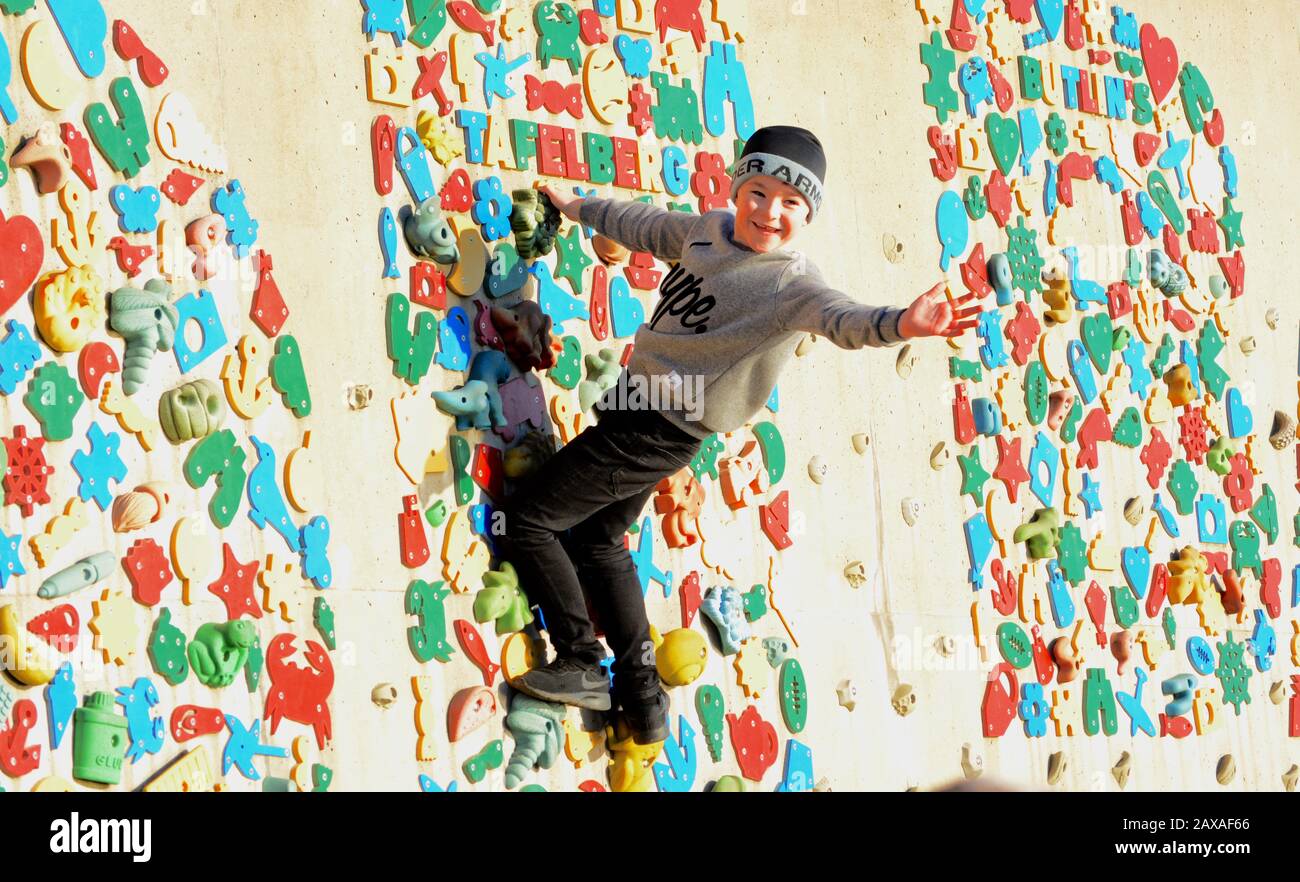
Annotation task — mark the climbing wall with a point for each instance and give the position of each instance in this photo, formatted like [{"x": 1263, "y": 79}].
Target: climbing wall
[{"x": 164, "y": 541}]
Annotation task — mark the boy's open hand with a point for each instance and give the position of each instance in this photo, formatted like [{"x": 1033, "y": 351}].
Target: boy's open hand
[
  {"x": 568, "y": 205},
  {"x": 931, "y": 315}
]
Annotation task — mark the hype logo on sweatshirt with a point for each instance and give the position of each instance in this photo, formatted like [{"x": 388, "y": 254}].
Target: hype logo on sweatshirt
[{"x": 680, "y": 295}]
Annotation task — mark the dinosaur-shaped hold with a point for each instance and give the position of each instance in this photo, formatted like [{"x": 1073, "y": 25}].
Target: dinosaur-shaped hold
[{"x": 502, "y": 601}]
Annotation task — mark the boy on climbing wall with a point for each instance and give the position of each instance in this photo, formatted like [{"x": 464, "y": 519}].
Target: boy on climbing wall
[{"x": 730, "y": 313}]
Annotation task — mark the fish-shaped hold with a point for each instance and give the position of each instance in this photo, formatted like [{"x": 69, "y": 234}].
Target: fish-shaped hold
[
  {"x": 472, "y": 643},
  {"x": 471, "y": 20}
]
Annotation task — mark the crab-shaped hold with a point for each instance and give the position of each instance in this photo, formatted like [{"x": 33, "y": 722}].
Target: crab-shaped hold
[{"x": 300, "y": 693}]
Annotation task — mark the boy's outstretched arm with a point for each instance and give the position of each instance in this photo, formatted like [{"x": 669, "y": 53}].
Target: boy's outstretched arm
[
  {"x": 807, "y": 303},
  {"x": 638, "y": 226}
]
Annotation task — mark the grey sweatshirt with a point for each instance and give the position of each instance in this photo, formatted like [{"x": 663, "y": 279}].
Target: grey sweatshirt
[{"x": 728, "y": 318}]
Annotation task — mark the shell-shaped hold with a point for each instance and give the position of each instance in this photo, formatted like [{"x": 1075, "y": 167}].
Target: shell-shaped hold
[
  {"x": 193, "y": 410},
  {"x": 939, "y": 456},
  {"x": 1282, "y": 434},
  {"x": 1134, "y": 509},
  {"x": 147, "y": 320},
  {"x": 1226, "y": 770},
  {"x": 817, "y": 469},
  {"x": 1057, "y": 763},
  {"x": 140, "y": 508}
]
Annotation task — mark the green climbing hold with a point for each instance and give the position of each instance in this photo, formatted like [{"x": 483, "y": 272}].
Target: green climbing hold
[
  {"x": 773, "y": 447},
  {"x": 54, "y": 398},
  {"x": 219, "y": 650},
  {"x": 794, "y": 696},
  {"x": 487, "y": 759},
  {"x": 1124, "y": 605},
  {"x": 712, "y": 712},
  {"x": 1014, "y": 645},
  {"x": 167, "y": 650},
  {"x": 1128, "y": 429}
]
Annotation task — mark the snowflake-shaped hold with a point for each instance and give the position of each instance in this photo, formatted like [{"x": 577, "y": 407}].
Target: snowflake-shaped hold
[
  {"x": 99, "y": 466},
  {"x": 1022, "y": 253},
  {"x": 1233, "y": 673},
  {"x": 28, "y": 473}
]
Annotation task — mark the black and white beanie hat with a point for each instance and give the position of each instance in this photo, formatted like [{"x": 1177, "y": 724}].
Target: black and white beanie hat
[{"x": 789, "y": 154}]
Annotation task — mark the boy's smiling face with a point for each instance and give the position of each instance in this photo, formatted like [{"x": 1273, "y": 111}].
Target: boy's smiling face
[{"x": 769, "y": 213}]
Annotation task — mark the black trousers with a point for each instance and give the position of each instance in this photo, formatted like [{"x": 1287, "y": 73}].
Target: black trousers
[{"x": 595, "y": 487}]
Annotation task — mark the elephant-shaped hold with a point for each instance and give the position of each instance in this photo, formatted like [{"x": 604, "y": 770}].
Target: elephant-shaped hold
[
  {"x": 478, "y": 403},
  {"x": 538, "y": 727},
  {"x": 428, "y": 234}
]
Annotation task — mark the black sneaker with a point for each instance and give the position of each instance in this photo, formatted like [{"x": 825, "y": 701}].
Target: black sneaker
[
  {"x": 568, "y": 681},
  {"x": 647, "y": 718}
]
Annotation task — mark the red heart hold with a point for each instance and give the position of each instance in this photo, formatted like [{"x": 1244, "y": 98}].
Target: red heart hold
[
  {"x": 1160, "y": 57},
  {"x": 455, "y": 193},
  {"x": 21, "y": 253}
]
